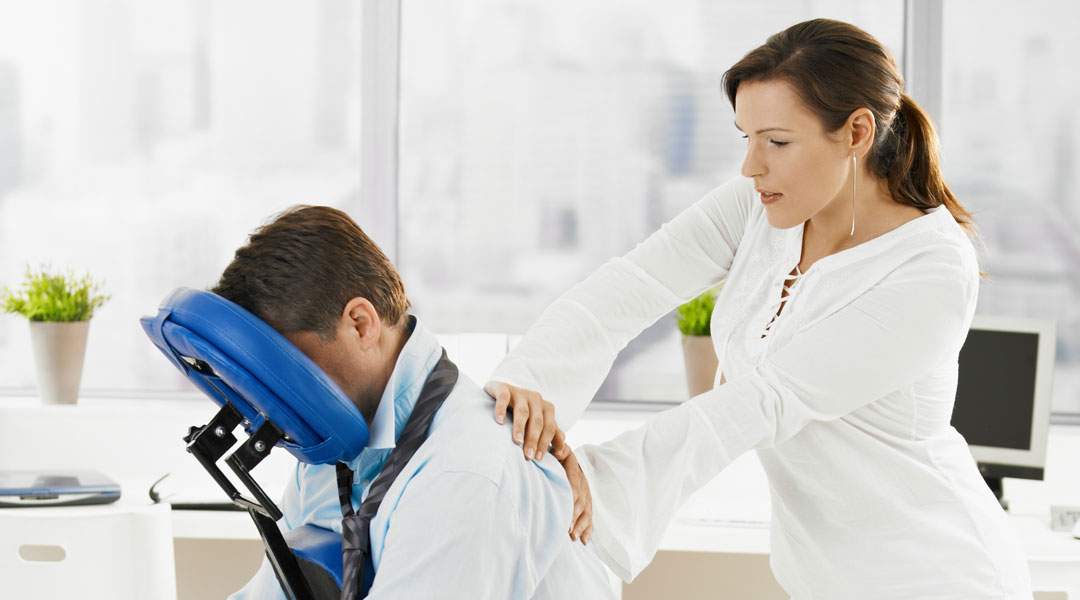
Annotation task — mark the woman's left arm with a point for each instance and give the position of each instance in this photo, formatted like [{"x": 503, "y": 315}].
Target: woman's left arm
[{"x": 885, "y": 339}]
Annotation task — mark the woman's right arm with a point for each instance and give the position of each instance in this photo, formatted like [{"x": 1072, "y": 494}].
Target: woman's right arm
[{"x": 566, "y": 354}]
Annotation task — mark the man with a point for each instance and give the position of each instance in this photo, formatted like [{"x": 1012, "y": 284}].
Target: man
[{"x": 467, "y": 517}]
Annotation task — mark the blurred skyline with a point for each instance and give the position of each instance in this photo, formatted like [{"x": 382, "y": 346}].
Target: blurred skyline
[
  {"x": 151, "y": 138},
  {"x": 142, "y": 141}
]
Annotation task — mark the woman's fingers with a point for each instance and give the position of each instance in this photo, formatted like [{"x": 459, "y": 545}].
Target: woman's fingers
[
  {"x": 521, "y": 416},
  {"x": 559, "y": 447},
  {"x": 548, "y": 432},
  {"x": 580, "y": 526},
  {"x": 535, "y": 426},
  {"x": 574, "y": 476},
  {"x": 581, "y": 520},
  {"x": 579, "y": 509},
  {"x": 500, "y": 392},
  {"x": 580, "y": 503}
]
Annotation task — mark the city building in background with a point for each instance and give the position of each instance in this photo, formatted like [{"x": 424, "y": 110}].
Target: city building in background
[
  {"x": 540, "y": 139},
  {"x": 142, "y": 141}
]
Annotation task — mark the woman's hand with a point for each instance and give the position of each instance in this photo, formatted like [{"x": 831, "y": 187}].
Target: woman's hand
[
  {"x": 581, "y": 528},
  {"x": 535, "y": 428},
  {"x": 534, "y": 417}
]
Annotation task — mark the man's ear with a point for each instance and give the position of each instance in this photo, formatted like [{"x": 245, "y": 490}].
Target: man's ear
[
  {"x": 361, "y": 322},
  {"x": 861, "y": 128}
]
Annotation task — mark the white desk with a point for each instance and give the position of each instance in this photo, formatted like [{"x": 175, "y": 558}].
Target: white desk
[
  {"x": 135, "y": 441},
  {"x": 92, "y": 550}
]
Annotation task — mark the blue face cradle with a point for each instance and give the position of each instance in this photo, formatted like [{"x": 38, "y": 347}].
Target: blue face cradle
[
  {"x": 237, "y": 359},
  {"x": 282, "y": 398}
]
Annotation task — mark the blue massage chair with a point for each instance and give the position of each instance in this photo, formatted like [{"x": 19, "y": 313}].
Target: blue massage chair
[{"x": 265, "y": 385}]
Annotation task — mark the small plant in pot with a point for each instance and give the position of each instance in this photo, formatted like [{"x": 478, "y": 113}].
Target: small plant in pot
[
  {"x": 59, "y": 308},
  {"x": 693, "y": 320}
]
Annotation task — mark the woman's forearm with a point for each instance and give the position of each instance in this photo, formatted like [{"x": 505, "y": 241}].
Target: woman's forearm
[{"x": 568, "y": 352}]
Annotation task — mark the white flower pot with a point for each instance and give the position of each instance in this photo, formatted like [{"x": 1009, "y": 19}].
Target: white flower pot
[
  {"x": 59, "y": 349},
  {"x": 701, "y": 363}
]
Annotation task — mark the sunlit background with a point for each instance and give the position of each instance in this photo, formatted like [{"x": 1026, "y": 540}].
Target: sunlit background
[{"x": 142, "y": 140}]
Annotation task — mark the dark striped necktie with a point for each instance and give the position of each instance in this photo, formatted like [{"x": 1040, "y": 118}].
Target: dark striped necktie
[{"x": 356, "y": 539}]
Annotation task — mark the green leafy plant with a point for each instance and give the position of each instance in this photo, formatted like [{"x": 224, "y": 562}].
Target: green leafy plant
[
  {"x": 694, "y": 316},
  {"x": 46, "y": 296}
]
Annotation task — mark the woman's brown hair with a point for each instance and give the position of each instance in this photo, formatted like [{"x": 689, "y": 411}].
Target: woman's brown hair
[{"x": 837, "y": 68}]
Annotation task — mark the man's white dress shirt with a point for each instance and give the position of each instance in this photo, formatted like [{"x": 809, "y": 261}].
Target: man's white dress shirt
[
  {"x": 847, "y": 399},
  {"x": 468, "y": 516}
]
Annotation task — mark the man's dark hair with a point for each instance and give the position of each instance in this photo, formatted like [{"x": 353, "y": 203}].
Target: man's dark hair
[{"x": 298, "y": 272}]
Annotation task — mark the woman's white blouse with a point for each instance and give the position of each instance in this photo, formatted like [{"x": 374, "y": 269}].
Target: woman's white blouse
[{"x": 847, "y": 397}]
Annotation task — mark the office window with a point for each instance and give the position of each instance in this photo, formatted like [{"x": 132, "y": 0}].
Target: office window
[
  {"x": 141, "y": 140},
  {"x": 1010, "y": 130},
  {"x": 539, "y": 139}
]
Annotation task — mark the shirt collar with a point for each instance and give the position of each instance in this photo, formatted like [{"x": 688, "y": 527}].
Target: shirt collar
[{"x": 417, "y": 358}]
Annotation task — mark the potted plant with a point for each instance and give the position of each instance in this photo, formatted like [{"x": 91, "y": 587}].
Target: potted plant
[
  {"x": 58, "y": 308},
  {"x": 693, "y": 320}
]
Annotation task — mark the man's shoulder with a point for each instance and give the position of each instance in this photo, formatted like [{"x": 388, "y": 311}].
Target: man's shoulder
[{"x": 466, "y": 438}]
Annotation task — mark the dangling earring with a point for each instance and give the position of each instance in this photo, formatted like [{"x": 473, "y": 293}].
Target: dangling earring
[{"x": 854, "y": 179}]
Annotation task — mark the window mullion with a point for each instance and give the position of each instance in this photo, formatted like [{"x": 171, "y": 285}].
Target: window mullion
[
  {"x": 379, "y": 97},
  {"x": 923, "y": 55}
]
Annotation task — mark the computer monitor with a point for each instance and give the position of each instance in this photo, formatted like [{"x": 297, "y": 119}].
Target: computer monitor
[{"x": 1002, "y": 409}]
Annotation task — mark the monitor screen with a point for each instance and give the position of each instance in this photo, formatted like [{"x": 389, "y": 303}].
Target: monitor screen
[{"x": 995, "y": 390}]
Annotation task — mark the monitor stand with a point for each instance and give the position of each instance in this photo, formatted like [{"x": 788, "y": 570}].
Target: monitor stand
[{"x": 994, "y": 484}]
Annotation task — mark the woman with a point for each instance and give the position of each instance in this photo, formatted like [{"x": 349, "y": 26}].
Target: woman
[{"x": 850, "y": 286}]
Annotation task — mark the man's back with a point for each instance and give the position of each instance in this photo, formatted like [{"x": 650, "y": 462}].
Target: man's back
[
  {"x": 470, "y": 490},
  {"x": 467, "y": 517}
]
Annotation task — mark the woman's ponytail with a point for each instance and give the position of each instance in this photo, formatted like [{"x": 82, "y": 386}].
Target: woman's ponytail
[{"x": 909, "y": 159}]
